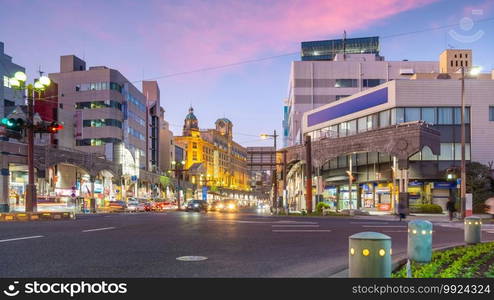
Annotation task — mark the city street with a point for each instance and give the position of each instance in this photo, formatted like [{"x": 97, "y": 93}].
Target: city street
[{"x": 247, "y": 244}]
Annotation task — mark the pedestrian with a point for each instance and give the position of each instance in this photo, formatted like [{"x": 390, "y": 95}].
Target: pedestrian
[
  {"x": 450, "y": 206},
  {"x": 402, "y": 210}
]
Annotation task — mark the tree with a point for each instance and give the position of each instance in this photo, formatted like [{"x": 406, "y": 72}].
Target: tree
[{"x": 480, "y": 183}]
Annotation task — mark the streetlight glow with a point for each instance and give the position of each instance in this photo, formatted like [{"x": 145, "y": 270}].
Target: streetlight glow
[
  {"x": 264, "y": 136},
  {"x": 475, "y": 71},
  {"x": 21, "y": 76},
  {"x": 38, "y": 85},
  {"x": 44, "y": 80}
]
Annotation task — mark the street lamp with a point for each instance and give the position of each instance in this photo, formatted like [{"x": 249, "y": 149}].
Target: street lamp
[
  {"x": 18, "y": 82},
  {"x": 463, "y": 185}
]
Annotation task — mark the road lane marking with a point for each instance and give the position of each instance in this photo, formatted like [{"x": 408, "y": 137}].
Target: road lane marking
[
  {"x": 301, "y": 230},
  {"x": 377, "y": 222},
  {"x": 258, "y": 222},
  {"x": 294, "y": 225},
  {"x": 21, "y": 238},
  {"x": 385, "y": 226},
  {"x": 98, "y": 229},
  {"x": 394, "y": 231},
  {"x": 192, "y": 258}
]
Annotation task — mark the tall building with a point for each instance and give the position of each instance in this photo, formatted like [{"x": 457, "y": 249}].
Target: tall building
[
  {"x": 316, "y": 81},
  {"x": 107, "y": 108},
  {"x": 9, "y": 98},
  {"x": 452, "y": 59},
  {"x": 160, "y": 137},
  {"x": 213, "y": 154}
]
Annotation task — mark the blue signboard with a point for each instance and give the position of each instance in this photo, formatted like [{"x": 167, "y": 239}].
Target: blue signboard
[
  {"x": 205, "y": 193},
  {"x": 444, "y": 185},
  {"x": 349, "y": 107}
]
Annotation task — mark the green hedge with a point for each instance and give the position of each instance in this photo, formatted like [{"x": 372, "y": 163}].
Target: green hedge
[
  {"x": 426, "y": 208},
  {"x": 321, "y": 205}
]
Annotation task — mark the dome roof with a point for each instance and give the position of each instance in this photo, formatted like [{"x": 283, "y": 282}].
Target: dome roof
[
  {"x": 191, "y": 115},
  {"x": 224, "y": 120}
]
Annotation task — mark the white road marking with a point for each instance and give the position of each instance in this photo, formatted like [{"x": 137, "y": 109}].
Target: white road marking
[
  {"x": 385, "y": 226},
  {"x": 377, "y": 222},
  {"x": 21, "y": 238},
  {"x": 294, "y": 225},
  {"x": 98, "y": 229},
  {"x": 259, "y": 222},
  {"x": 301, "y": 230},
  {"x": 394, "y": 231}
]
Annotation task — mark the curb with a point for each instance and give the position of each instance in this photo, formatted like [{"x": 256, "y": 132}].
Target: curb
[{"x": 38, "y": 216}]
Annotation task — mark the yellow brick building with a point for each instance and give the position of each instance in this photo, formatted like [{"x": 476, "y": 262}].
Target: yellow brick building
[{"x": 212, "y": 157}]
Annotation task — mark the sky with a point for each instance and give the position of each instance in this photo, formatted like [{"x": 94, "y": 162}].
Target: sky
[{"x": 147, "y": 40}]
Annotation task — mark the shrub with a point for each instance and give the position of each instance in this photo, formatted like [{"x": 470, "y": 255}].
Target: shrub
[
  {"x": 321, "y": 205},
  {"x": 426, "y": 208}
]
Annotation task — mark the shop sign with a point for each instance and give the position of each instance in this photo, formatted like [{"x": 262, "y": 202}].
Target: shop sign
[
  {"x": 384, "y": 206},
  {"x": 444, "y": 185}
]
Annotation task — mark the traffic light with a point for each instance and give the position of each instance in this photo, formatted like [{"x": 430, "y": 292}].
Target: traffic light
[
  {"x": 54, "y": 127},
  {"x": 13, "y": 124}
]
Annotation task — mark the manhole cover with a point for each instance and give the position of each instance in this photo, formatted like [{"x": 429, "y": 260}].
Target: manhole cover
[{"x": 191, "y": 258}]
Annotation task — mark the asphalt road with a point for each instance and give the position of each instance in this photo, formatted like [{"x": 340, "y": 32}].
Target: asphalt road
[{"x": 148, "y": 245}]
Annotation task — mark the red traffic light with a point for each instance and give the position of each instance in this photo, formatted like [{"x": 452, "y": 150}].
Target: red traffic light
[{"x": 55, "y": 127}]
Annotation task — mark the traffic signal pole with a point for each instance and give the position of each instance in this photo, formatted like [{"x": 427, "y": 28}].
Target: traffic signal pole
[{"x": 31, "y": 198}]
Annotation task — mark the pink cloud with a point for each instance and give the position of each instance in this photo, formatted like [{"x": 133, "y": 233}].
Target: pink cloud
[{"x": 207, "y": 33}]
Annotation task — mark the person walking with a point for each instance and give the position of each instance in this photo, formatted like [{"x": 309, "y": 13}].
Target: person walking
[
  {"x": 402, "y": 210},
  {"x": 450, "y": 206}
]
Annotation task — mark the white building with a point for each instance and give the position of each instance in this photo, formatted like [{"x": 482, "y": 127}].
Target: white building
[{"x": 316, "y": 83}]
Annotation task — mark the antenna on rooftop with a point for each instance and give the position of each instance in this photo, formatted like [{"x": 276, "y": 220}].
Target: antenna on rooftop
[{"x": 344, "y": 44}]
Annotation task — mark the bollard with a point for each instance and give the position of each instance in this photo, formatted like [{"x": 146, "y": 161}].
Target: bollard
[
  {"x": 472, "y": 230},
  {"x": 369, "y": 255},
  {"x": 420, "y": 241}
]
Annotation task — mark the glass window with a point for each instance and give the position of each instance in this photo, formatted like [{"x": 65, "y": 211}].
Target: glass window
[
  {"x": 361, "y": 159},
  {"x": 333, "y": 131},
  {"x": 412, "y": 114},
  {"x": 384, "y": 157},
  {"x": 393, "y": 116},
  {"x": 458, "y": 115},
  {"x": 333, "y": 164},
  {"x": 427, "y": 154},
  {"x": 372, "y": 157},
  {"x": 6, "y": 82},
  {"x": 384, "y": 119},
  {"x": 342, "y": 129},
  {"x": 372, "y": 82},
  {"x": 362, "y": 124},
  {"x": 491, "y": 113},
  {"x": 446, "y": 151},
  {"x": 345, "y": 83},
  {"x": 429, "y": 115},
  {"x": 416, "y": 156},
  {"x": 352, "y": 127},
  {"x": 342, "y": 161},
  {"x": 445, "y": 115},
  {"x": 400, "y": 115}
]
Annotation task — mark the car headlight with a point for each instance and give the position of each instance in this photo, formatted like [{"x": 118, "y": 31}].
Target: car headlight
[
  {"x": 196, "y": 205},
  {"x": 220, "y": 206},
  {"x": 231, "y": 206}
]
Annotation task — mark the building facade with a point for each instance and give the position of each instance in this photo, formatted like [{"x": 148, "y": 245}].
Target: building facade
[
  {"x": 316, "y": 81},
  {"x": 212, "y": 157},
  {"x": 434, "y": 101},
  {"x": 9, "y": 97},
  {"x": 261, "y": 163}
]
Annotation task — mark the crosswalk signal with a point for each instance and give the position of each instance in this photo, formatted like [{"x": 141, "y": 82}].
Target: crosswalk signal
[{"x": 55, "y": 127}]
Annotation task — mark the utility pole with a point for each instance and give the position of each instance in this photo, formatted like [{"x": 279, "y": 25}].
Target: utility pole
[
  {"x": 308, "y": 155},
  {"x": 285, "y": 193},
  {"x": 463, "y": 184},
  {"x": 275, "y": 176},
  {"x": 31, "y": 200}
]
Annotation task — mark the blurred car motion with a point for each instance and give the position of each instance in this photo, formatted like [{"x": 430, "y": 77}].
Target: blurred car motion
[{"x": 197, "y": 205}]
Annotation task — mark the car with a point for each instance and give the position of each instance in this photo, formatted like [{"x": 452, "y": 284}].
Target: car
[
  {"x": 227, "y": 206},
  {"x": 135, "y": 206},
  {"x": 166, "y": 205},
  {"x": 117, "y": 206},
  {"x": 197, "y": 205},
  {"x": 214, "y": 206},
  {"x": 149, "y": 206}
]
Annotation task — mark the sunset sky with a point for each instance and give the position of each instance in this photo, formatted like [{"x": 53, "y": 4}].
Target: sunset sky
[{"x": 153, "y": 39}]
